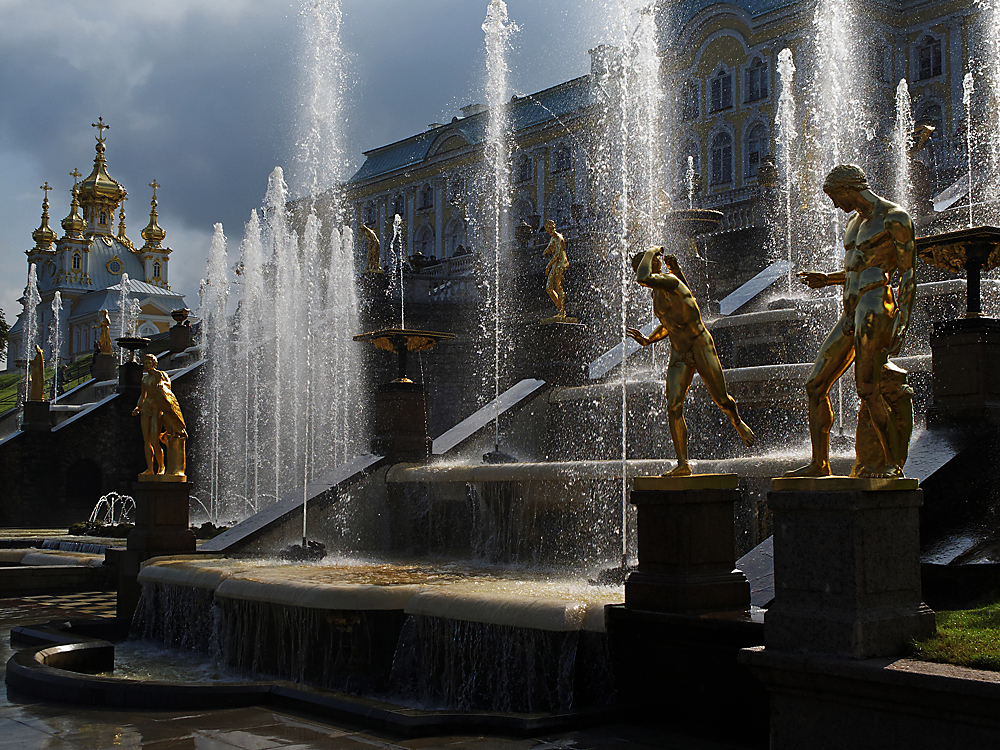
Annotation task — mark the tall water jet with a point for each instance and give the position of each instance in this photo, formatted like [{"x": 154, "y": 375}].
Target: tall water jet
[
  {"x": 123, "y": 305},
  {"x": 785, "y": 136},
  {"x": 216, "y": 340},
  {"x": 902, "y": 139},
  {"x": 498, "y": 30},
  {"x": 31, "y": 302},
  {"x": 54, "y": 342},
  {"x": 991, "y": 70},
  {"x": 968, "y": 87}
]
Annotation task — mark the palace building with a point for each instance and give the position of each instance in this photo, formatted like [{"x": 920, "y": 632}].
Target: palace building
[{"x": 87, "y": 263}]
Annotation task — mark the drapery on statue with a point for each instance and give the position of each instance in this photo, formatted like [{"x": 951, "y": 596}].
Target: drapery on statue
[
  {"x": 162, "y": 422},
  {"x": 878, "y": 243},
  {"x": 36, "y": 376},
  {"x": 554, "y": 272},
  {"x": 105, "y": 333},
  {"x": 374, "y": 257},
  {"x": 692, "y": 349}
]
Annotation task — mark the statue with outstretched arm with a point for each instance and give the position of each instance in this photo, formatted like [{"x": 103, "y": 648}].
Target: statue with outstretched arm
[
  {"x": 692, "y": 348},
  {"x": 878, "y": 245}
]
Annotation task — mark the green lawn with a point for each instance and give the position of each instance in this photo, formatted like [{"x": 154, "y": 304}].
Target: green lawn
[
  {"x": 79, "y": 370},
  {"x": 968, "y": 637}
]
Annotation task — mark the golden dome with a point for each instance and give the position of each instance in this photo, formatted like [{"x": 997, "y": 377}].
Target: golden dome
[
  {"x": 99, "y": 187},
  {"x": 74, "y": 224},
  {"x": 153, "y": 233},
  {"x": 44, "y": 236}
]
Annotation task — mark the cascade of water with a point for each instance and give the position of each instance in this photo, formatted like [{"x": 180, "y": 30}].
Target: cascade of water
[
  {"x": 123, "y": 306},
  {"x": 785, "y": 136},
  {"x": 991, "y": 70},
  {"x": 31, "y": 302},
  {"x": 54, "y": 343},
  {"x": 968, "y": 87},
  {"x": 215, "y": 326},
  {"x": 250, "y": 311},
  {"x": 902, "y": 136},
  {"x": 398, "y": 251},
  {"x": 498, "y": 30}
]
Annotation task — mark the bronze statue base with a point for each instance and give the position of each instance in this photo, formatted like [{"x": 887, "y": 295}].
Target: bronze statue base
[
  {"x": 842, "y": 484},
  {"x": 690, "y": 482},
  {"x": 162, "y": 478}
]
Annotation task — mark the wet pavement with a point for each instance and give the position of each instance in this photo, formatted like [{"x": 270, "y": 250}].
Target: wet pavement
[{"x": 26, "y": 724}]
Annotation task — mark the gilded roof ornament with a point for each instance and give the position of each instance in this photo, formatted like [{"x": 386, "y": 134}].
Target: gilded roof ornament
[
  {"x": 44, "y": 236},
  {"x": 100, "y": 187},
  {"x": 122, "y": 237},
  {"x": 74, "y": 224},
  {"x": 153, "y": 233}
]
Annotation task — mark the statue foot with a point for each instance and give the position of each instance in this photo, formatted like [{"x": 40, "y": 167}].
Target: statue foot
[
  {"x": 883, "y": 472},
  {"x": 746, "y": 434},
  {"x": 147, "y": 472},
  {"x": 813, "y": 469},
  {"x": 681, "y": 470}
]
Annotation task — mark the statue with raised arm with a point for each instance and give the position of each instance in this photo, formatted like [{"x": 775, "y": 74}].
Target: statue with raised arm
[
  {"x": 554, "y": 272},
  {"x": 692, "y": 349},
  {"x": 374, "y": 256},
  {"x": 162, "y": 422},
  {"x": 878, "y": 245},
  {"x": 36, "y": 376},
  {"x": 105, "y": 338}
]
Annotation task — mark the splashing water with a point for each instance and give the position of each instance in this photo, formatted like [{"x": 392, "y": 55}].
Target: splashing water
[
  {"x": 216, "y": 341},
  {"x": 397, "y": 249},
  {"x": 902, "y": 139},
  {"x": 123, "y": 307},
  {"x": 31, "y": 302},
  {"x": 54, "y": 342},
  {"x": 786, "y": 135},
  {"x": 690, "y": 181},
  {"x": 968, "y": 87}
]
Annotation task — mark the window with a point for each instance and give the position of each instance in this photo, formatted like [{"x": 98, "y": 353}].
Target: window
[
  {"x": 156, "y": 270},
  {"x": 876, "y": 63},
  {"x": 76, "y": 261},
  {"x": 454, "y": 236},
  {"x": 103, "y": 219},
  {"x": 722, "y": 90},
  {"x": 456, "y": 188},
  {"x": 427, "y": 197},
  {"x": 425, "y": 241},
  {"x": 928, "y": 58},
  {"x": 722, "y": 159},
  {"x": 689, "y": 101},
  {"x": 524, "y": 169},
  {"x": 559, "y": 209},
  {"x": 756, "y": 149},
  {"x": 369, "y": 214},
  {"x": 756, "y": 80},
  {"x": 523, "y": 211},
  {"x": 397, "y": 205},
  {"x": 563, "y": 159}
]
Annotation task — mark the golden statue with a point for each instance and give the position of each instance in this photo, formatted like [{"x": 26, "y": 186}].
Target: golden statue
[
  {"x": 36, "y": 376},
  {"x": 374, "y": 264},
  {"x": 162, "y": 422},
  {"x": 105, "y": 339},
  {"x": 692, "y": 349},
  {"x": 554, "y": 272},
  {"x": 878, "y": 243}
]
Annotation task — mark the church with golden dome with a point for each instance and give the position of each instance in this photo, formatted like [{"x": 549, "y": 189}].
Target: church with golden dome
[{"x": 87, "y": 264}]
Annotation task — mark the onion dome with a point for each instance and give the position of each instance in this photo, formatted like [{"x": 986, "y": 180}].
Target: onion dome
[
  {"x": 44, "y": 236},
  {"x": 153, "y": 233},
  {"x": 74, "y": 224},
  {"x": 99, "y": 187}
]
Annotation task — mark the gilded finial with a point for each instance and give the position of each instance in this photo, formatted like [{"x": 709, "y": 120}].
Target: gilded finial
[
  {"x": 76, "y": 175},
  {"x": 154, "y": 184},
  {"x": 44, "y": 236},
  {"x": 74, "y": 224},
  {"x": 153, "y": 234},
  {"x": 101, "y": 127}
]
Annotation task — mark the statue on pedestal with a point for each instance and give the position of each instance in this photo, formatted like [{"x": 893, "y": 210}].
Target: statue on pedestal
[
  {"x": 374, "y": 255},
  {"x": 162, "y": 422},
  {"x": 878, "y": 244},
  {"x": 554, "y": 272},
  {"x": 36, "y": 376},
  {"x": 692, "y": 349},
  {"x": 105, "y": 340}
]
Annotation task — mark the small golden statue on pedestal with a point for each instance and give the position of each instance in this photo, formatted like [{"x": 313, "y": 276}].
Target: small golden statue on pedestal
[
  {"x": 374, "y": 255},
  {"x": 105, "y": 339},
  {"x": 878, "y": 243},
  {"x": 36, "y": 376},
  {"x": 554, "y": 272},
  {"x": 692, "y": 349},
  {"x": 162, "y": 422}
]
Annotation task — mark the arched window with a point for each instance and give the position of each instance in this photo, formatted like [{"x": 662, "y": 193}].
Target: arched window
[
  {"x": 928, "y": 58},
  {"x": 427, "y": 197},
  {"x": 76, "y": 261},
  {"x": 425, "y": 241},
  {"x": 76, "y": 339},
  {"x": 148, "y": 329},
  {"x": 722, "y": 159},
  {"x": 524, "y": 210},
  {"x": 563, "y": 159},
  {"x": 156, "y": 270},
  {"x": 397, "y": 205},
  {"x": 559, "y": 210},
  {"x": 756, "y": 80},
  {"x": 722, "y": 90},
  {"x": 454, "y": 235},
  {"x": 757, "y": 149},
  {"x": 524, "y": 169},
  {"x": 456, "y": 190},
  {"x": 689, "y": 100},
  {"x": 103, "y": 218}
]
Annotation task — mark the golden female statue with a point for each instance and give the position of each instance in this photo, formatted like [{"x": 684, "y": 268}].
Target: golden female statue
[
  {"x": 162, "y": 422},
  {"x": 36, "y": 379},
  {"x": 878, "y": 244},
  {"x": 374, "y": 256},
  {"x": 105, "y": 339},
  {"x": 554, "y": 272},
  {"x": 692, "y": 349}
]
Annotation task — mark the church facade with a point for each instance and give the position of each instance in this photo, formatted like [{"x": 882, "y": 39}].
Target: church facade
[{"x": 88, "y": 263}]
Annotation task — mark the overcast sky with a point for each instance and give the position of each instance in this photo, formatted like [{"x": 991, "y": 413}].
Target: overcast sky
[{"x": 202, "y": 96}]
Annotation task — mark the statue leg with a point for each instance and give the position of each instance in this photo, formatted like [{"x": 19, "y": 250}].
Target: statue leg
[
  {"x": 834, "y": 357},
  {"x": 679, "y": 375},
  {"x": 706, "y": 360},
  {"x": 872, "y": 336}
]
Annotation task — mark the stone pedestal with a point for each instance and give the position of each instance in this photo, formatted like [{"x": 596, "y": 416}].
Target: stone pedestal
[
  {"x": 162, "y": 527},
  {"x": 966, "y": 363},
  {"x": 400, "y": 424},
  {"x": 36, "y": 417},
  {"x": 687, "y": 558},
  {"x": 180, "y": 337},
  {"x": 554, "y": 351},
  {"x": 130, "y": 377},
  {"x": 846, "y": 567},
  {"x": 104, "y": 367}
]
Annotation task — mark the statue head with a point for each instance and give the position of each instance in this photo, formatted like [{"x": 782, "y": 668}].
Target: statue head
[
  {"x": 656, "y": 266},
  {"x": 845, "y": 177},
  {"x": 150, "y": 362},
  {"x": 550, "y": 226}
]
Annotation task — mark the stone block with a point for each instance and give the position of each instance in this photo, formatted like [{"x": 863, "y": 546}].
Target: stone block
[
  {"x": 36, "y": 417},
  {"x": 966, "y": 363},
  {"x": 400, "y": 424}
]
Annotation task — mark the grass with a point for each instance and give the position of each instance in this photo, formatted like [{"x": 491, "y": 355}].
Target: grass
[
  {"x": 968, "y": 638},
  {"x": 10, "y": 381}
]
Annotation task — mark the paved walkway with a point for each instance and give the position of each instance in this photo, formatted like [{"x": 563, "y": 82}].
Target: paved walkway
[{"x": 27, "y": 725}]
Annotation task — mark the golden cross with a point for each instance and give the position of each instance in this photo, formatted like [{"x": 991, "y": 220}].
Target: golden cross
[
  {"x": 46, "y": 188},
  {"x": 101, "y": 127},
  {"x": 154, "y": 184},
  {"x": 75, "y": 174}
]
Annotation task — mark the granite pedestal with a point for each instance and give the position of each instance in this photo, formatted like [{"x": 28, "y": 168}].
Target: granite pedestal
[
  {"x": 966, "y": 365},
  {"x": 36, "y": 417},
  {"x": 400, "y": 424},
  {"x": 846, "y": 567},
  {"x": 554, "y": 351},
  {"x": 104, "y": 367},
  {"x": 687, "y": 558}
]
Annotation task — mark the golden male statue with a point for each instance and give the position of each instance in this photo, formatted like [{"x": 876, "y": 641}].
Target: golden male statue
[
  {"x": 692, "y": 349},
  {"x": 162, "y": 422},
  {"x": 878, "y": 244},
  {"x": 374, "y": 254},
  {"x": 556, "y": 269}
]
